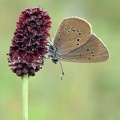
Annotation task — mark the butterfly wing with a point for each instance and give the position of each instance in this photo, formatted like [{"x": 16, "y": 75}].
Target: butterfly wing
[
  {"x": 72, "y": 33},
  {"x": 92, "y": 51}
]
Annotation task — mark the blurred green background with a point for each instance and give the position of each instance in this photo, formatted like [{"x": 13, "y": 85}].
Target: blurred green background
[{"x": 88, "y": 91}]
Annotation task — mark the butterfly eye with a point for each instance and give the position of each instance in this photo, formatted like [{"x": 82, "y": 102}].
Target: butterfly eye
[{"x": 88, "y": 49}]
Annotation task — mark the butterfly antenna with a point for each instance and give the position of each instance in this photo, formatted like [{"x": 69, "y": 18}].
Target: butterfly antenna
[{"x": 62, "y": 72}]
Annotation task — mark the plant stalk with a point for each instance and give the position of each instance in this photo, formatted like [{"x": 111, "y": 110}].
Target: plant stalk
[{"x": 25, "y": 97}]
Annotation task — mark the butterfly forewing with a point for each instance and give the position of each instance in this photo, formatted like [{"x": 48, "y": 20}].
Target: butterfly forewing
[
  {"x": 72, "y": 33},
  {"x": 92, "y": 51}
]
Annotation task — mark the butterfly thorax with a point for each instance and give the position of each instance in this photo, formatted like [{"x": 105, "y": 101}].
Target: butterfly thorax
[{"x": 52, "y": 53}]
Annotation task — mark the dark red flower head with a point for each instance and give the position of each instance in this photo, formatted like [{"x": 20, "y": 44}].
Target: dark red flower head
[{"x": 28, "y": 47}]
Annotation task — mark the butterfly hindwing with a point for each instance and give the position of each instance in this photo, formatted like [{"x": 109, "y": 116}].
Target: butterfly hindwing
[{"x": 92, "y": 51}]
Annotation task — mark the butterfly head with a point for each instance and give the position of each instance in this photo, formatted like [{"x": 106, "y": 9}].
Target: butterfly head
[{"x": 52, "y": 53}]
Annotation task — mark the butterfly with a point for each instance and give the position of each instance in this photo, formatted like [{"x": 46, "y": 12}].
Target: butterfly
[{"x": 75, "y": 42}]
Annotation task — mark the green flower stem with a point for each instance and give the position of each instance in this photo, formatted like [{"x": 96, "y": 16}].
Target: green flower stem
[{"x": 25, "y": 97}]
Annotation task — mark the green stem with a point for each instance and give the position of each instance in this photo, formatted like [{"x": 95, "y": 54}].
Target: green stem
[{"x": 25, "y": 97}]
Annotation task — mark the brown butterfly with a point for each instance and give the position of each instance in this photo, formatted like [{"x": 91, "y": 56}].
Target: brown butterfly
[{"x": 75, "y": 42}]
